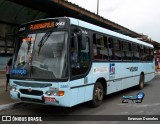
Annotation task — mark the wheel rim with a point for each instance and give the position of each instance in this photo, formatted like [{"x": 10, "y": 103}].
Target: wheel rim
[{"x": 98, "y": 94}]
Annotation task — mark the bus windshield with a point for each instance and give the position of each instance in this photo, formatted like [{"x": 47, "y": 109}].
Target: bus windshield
[{"x": 42, "y": 55}]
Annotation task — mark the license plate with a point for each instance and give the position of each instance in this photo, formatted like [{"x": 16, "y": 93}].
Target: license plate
[{"x": 49, "y": 99}]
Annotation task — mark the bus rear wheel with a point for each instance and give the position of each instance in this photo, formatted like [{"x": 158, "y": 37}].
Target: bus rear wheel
[
  {"x": 98, "y": 94},
  {"x": 141, "y": 82}
]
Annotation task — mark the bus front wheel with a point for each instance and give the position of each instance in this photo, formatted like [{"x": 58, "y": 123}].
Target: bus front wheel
[
  {"x": 141, "y": 82},
  {"x": 97, "y": 95}
]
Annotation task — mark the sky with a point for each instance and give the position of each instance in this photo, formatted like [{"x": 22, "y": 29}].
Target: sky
[{"x": 141, "y": 16}]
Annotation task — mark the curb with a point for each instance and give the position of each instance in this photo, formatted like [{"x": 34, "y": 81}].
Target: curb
[{"x": 9, "y": 106}]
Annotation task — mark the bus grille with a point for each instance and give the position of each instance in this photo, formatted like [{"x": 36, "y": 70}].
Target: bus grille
[{"x": 33, "y": 92}]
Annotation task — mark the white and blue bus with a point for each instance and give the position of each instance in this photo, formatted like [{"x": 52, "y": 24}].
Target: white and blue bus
[{"x": 66, "y": 61}]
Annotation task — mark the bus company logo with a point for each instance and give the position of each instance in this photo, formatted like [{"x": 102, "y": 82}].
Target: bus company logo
[
  {"x": 133, "y": 99},
  {"x": 132, "y": 69},
  {"x": 112, "y": 69}
]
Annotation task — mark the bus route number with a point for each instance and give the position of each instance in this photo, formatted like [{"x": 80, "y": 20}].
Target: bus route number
[{"x": 64, "y": 86}]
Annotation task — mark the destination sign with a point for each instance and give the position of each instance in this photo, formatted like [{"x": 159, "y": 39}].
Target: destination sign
[{"x": 44, "y": 24}]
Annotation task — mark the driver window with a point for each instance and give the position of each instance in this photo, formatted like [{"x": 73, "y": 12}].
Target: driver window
[{"x": 80, "y": 59}]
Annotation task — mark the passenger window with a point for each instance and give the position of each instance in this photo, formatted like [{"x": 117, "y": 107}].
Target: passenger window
[
  {"x": 126, "y": 52},
  {"x": 114, "y": 49},
  {"x": 135, "y": 51},
  {"x": 149, "y": 54},
  {"x": 100, "y": 51},
  {"x": 84, "y": 54},
  {"x": 142, "y": 55}
]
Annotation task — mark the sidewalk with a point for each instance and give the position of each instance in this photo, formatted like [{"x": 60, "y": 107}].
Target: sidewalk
[{"x": 5, "y": 101}]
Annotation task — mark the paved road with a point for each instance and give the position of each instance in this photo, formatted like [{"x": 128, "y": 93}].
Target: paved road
[{"x": 112, "y": 105}]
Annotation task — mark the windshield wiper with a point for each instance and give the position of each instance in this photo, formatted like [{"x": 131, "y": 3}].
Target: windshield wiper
[{"x": 43, "y": 40}]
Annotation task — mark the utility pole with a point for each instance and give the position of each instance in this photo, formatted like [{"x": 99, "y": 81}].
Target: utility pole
[{"x": 97, "y": 6}]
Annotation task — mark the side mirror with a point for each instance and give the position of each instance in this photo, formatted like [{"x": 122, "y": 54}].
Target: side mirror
[{"x": 82, "y": 38}]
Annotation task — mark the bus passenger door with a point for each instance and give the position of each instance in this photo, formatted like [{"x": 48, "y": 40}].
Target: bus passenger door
[{"x": 80, "y": 65}]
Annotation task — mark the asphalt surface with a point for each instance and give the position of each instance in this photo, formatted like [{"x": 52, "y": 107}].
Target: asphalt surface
[{"x": 112, "y": 105}]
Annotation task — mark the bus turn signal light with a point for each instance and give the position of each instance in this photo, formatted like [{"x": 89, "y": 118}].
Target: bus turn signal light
[{"x": 61, "y": 93}]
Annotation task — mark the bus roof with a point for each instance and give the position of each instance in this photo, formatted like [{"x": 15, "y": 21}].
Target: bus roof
[
  {"x": 106, "y": 31},
  {"x": 98, "y": 29}
]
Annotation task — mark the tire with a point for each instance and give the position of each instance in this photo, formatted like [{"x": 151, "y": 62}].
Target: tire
[
  {"x": 141, "y": 82},
  {"x": 98, "y": 95}
]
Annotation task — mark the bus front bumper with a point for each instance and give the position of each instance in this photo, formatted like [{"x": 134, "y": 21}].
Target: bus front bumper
[{"x": 42, "y": 99}]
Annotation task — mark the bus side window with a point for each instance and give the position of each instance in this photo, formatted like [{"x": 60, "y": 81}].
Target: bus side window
[
  {"x": 110, "y": 43},
  {"x": 126, "y": 51},
  {"x": 100, "y": 50},
  {"x": 135, "y": 52},
  {"x": 142, "y": 55},
  {"x": 115, "y": 49},
  {"x": 146, "y": 52},
  {"x": 149, "y": 54},
  {"x": 84, "y": 54}
]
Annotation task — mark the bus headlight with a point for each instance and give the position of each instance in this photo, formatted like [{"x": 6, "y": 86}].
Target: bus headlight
[
  {"x": 13, "y": 88},
  {"x": 51, "y": 93},
  {"x": 54, "y": 92}
]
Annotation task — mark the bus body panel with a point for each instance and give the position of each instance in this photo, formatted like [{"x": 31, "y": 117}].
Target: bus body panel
[
  {"x": 81, "y": 94},
  {"x": 81, "y": 90},
  {"x": 122, "y": 77}
]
